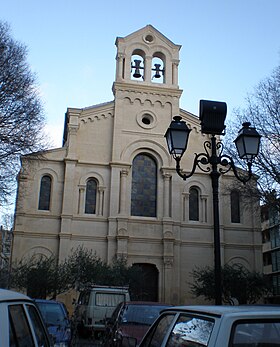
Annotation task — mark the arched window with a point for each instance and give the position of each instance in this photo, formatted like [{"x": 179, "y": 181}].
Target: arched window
[
  {"x": 235, "y": 206},
  {"x": 45, "y": 193},
  {"x": 194, "y": 204},
  {"x": 91, "y": 191},
  {"x": 144, "y": 186}
]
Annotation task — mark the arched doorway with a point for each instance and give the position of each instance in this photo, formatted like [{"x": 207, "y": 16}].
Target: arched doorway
[{"x": 147, "y": 287}]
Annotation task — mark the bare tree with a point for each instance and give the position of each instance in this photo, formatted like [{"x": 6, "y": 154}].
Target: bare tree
[
  {"x": 21, "y": 112},
  {"x": 263, "y": 111},
  {"x": 7, "y": 221}
]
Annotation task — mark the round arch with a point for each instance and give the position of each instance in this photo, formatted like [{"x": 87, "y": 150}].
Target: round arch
[
  {"x": 37, "y": 251},
  {"x": 46, "y": 171},
  {"x": 159, "y": 152},
  {"x": 197, "y": 184},
  {"x": 91, "y": 174},
  {"x": 239, "y": 261}
]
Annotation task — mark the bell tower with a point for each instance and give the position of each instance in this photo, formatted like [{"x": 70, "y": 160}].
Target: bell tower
[
  {"x": 147, "y": 57},
  {"x": 146, "y": 88}
]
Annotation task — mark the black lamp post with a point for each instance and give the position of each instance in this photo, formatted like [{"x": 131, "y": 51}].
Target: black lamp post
[{"x": 213, "y": 161}]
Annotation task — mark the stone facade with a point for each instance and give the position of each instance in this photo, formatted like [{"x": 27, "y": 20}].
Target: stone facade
[{"x": 101, "y": 143}]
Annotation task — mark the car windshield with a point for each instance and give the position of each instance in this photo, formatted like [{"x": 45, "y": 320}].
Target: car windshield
[
  {"x": 141, "y": 314},
  {"x": 53, "y": 313}
]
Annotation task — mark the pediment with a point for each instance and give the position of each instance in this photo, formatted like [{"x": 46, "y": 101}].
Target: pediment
[{"x": 147, "y": 35}]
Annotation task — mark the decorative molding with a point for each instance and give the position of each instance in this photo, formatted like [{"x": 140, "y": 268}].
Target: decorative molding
[
  {"x": 143, "y": 89},
  {"x": 96, "y": 117}
]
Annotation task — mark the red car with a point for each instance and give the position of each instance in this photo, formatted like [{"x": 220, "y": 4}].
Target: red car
[{"x": 130, "y": 321}]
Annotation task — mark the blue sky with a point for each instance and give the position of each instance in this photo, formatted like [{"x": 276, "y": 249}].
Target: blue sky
[{"x": 228, "y": 46}]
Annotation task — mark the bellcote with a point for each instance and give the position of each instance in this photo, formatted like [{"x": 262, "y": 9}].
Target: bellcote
[{"x": 147, "y": 57}]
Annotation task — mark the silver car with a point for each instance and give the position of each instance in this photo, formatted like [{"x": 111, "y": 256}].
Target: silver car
[
  {"x": 20, "y": 322},
  {"x": 215, "y": 326}
]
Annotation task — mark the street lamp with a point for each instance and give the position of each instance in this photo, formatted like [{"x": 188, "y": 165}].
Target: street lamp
[{"x": 212, "y": 116}]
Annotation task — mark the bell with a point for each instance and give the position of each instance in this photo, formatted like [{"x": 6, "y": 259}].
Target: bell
[
  {"x": 137, "y": 68},
  {"x": 157, "y": 70}
]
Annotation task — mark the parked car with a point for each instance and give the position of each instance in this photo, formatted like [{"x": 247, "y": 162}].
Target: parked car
[
  {"x": 130, "y": 321},
  {"x": 20, "y": 321},
  {"x": 55, "y": 316},
  {"x": 94, "y": 305},
  {"x": 215, "y": 326}
]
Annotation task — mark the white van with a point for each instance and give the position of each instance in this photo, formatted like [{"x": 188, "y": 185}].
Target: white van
[{"x": 95, "y": 304}]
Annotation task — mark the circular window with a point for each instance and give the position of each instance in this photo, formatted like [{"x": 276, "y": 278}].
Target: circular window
[
  {"x": 146, "y": 120},
  {"x": 149, "y": 38}
]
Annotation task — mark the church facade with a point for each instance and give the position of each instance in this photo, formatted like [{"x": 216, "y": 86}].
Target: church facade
[{"x": 112, "y": 187}]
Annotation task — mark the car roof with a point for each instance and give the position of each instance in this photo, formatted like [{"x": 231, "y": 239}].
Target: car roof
[
  {"x": 227, "y": 309},
  {"x": 10, "y": 295},
  {"x": 45, "y": 301},
  {"x": 152, "y": 303},
  {"x": 113, "y": 289}
]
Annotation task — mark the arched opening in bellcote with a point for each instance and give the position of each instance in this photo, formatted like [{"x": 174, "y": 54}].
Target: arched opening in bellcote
[
  {"x": 148, "y": 69},
  {"x": 158, "y": 68},
  {"x": 138, "y": 67}
]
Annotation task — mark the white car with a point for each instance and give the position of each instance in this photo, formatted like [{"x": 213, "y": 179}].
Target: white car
[
  {"x": 215, "y": 326},
  {"x": 20, "y": 322}
]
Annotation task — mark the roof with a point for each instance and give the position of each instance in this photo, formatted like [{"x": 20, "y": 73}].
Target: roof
[
  {"x": 9, "y": 295},
  {"x": 146, "y": 29},
  {"x": 224, "y": 309}
]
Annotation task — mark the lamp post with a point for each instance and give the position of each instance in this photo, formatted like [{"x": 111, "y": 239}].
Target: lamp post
[{"x": 213, "y": 161}]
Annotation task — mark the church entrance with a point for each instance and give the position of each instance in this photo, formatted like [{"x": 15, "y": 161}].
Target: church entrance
[{"x": 147, "y": 286}]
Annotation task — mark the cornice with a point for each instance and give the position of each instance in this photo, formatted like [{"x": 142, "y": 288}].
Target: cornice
[{"x": 147, "y": 89}]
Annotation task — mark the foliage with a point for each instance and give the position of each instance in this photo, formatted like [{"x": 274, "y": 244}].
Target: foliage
[
  {"x": 42, "y": 277},
  {"x": 21, "y": 111},
  {"x": 120, "y": 274},
  {"x": 263, "y": 111},
  {"x": 83, "y": 267},
  {"x": 237, "y": 282},
  {"x": 4, "y": 278}
]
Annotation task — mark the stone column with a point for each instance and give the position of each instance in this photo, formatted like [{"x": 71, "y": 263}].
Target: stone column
[
  {"x": 186, "y": 206},
  {"x": 99, "y": 212},
  {"x": 203, "y": 216},
  {"x": 67, "y": 209},
  {"x": 124, "y": 173},
  {"x": 122, "y": 242},
  {"x": 148, "y": 68},
  {"x": 168, "y": 259},
  {"x": 120, "y": 67},
  {"x": 166, "y": 195},
  {"x": 81, "y": 206},
  {"x": 175, "y": 65}
]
